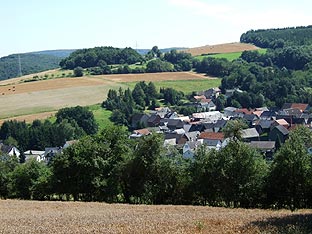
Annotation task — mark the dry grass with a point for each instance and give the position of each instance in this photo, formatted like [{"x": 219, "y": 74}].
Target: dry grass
[
  {"x": 221, "y": 48},
  {"x": 76, "y": 217}
]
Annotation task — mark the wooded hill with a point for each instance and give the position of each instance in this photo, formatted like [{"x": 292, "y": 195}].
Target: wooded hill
[
  {"x": 31, "y": 62},
  {"x": 279, "y": 38}
]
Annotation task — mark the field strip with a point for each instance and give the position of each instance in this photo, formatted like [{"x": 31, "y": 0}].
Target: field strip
[{"x": 31, "y": 117}]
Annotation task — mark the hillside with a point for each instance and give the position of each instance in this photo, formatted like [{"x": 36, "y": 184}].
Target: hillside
[
  {"x": 77, "y": 217},
  {"x": 220, "y": 48},
  {"x": 279, "y": 37}
]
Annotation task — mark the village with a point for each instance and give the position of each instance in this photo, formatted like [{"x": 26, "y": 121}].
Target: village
[{"x": 267, "y": 128}]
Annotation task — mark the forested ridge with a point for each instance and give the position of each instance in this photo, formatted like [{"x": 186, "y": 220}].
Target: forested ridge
[
  {"x": 279, "y": 38},
  {"x": 29, "y": 63}
]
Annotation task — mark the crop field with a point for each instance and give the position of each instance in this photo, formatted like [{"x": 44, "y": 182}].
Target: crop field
[
  {"x": 33, "y": 217},
  {"x": 221, "y": 48},
  {"x": 21, "y": 100}
]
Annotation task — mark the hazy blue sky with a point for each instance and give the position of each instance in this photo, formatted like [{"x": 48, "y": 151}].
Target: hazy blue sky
[{"x": 33, "y": 25}]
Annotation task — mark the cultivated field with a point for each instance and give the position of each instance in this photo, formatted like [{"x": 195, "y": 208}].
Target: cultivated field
[
  {"x": 18, "y": 98},
  {"x": 221, "y": 48},
  {"x": 76, "y": 217}
]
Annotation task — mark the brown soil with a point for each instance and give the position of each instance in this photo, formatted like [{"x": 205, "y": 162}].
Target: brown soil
[
  {"x": 76, "y": 217},
  {"x": 221, "y": 48}
]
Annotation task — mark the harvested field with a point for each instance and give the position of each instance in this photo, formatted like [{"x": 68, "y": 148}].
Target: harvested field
[
  {"x": 35, "y": 97},
  {"x": 221, "y": 48},
  {"x": 30, "y": 118},
  {"x": 76, "y": 217}
]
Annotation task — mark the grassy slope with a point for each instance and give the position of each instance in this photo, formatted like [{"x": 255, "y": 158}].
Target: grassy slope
[
  {"x": 186, "y": 86},
  {"x": 228, "y": 56}
]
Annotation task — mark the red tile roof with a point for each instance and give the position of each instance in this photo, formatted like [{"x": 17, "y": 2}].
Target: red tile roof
[
  {"x": 143, "y": 131},
  {"x": 211, "y": 135},
  {"x": 301, "y": 106}
]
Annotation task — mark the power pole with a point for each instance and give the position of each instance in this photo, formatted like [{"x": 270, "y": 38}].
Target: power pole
[{"x": 19, "y": 65}]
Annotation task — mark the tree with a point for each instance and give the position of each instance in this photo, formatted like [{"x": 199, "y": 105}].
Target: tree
[
  {"x": 78, "y": 71},
  {"x": 84, "y": 118},
  {"x": 233, "y": 129},
  {"x": 289, "y": 179}
]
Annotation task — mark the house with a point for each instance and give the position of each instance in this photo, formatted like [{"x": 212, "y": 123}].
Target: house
[
  {"x": 140, "y": 132},
  {"x": 281, "y": 122},
  {"x": 9, "y": 150},
  {"x": 153, "y": 120},
  {"x": 69, "y": 143},
  {"x": 250, "y": 134},
  {"x": 263, "y": 126},
  {"x": 230, "y": 92},
  {"x": 279, "y": 133},
  {"x": 268, "y": 115},
  {"x": 206, "y": 105},
  {"x": 51, "y": 152},
  {"x": 172, "y": 124},
  {"x": 300, "y": 106},
  {"x": 34, "y": 154},
  {"x": 213, "y": 144},
  {"x": 189, "y": 149},
  {"x": 250, "y": 119},
  {"x": 177, "y": 137},
  {"x": 211, "y": 136},
  {"x": 139, "y": 120},
  {"x": 229, "y": 111},
  {"x": 211, "y": 116},
  {"x": 267, "y": 148}
]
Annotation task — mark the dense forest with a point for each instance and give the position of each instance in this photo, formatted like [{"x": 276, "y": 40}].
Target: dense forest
[
  {"x": 93, "y": 57},
  {"x": 30, "y": 63},
  {"x": 111, "y": 167},
  {"x": 279, "y": 38}
]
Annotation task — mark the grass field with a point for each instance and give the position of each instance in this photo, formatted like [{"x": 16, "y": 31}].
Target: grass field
[
  {"x": 228, "y": 56},
  {"x": 17, "y": 216},
  {"x": 186, "y": 86},
  {"x": 101, "y": 116}
]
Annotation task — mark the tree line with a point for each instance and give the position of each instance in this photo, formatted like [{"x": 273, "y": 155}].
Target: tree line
[
  {"x": 30, "y": 63},
  {"x": 111, "y": 167},
  {"x": 71, "y": 123},
  {"x": 279, "y": 38}
]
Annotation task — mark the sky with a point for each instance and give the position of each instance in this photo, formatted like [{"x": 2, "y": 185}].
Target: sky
[{"x": 36, "y": 25}]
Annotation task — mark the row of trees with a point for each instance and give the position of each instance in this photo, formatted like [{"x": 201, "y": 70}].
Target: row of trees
[
  {"x": 71, "y": 123},
  {"x": 111, "y": 167}
]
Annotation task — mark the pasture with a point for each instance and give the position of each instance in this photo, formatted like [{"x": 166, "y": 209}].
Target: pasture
[
  {"x": 229, "y": 56},
  {"x": 21, "y": 99},
  {"x": 17, "y": 216}
]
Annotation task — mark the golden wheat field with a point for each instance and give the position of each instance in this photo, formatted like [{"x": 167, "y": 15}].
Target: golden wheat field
[
  {"x": 221, "y": 48},
  {"x": 18, "y": 216}
]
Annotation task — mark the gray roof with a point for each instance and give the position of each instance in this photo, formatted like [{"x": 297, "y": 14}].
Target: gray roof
[
  {"x": 249, "y": 133},
  {"x": 282, "y": 129},
  {"x": 263, "y": 145}
]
